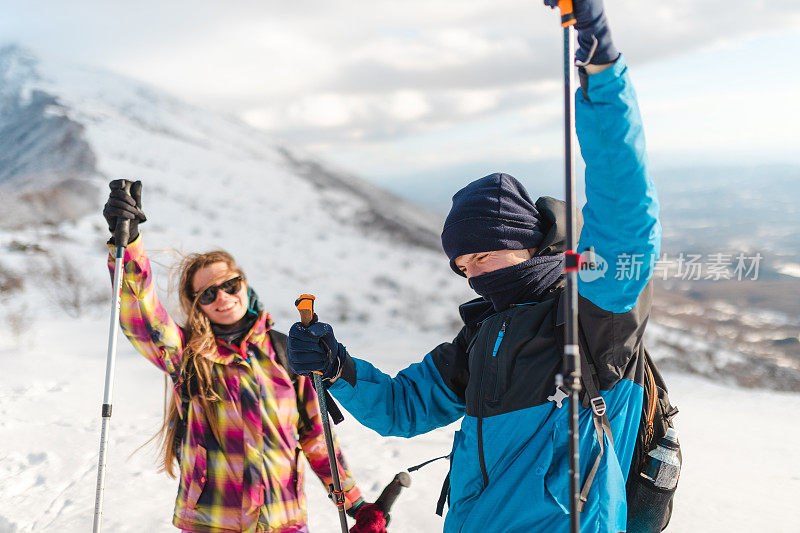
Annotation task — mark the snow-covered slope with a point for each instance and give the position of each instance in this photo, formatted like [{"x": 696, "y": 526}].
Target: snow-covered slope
[
  {"x": 296, "y": 226},
  {"x": 740, "y": 469}
]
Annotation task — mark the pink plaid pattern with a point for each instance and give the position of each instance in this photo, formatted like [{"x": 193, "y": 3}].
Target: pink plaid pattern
[{"x": 253, "y": 479}]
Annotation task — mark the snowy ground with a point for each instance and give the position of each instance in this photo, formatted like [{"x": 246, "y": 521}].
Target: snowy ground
[{"x": 741, "y": 472}]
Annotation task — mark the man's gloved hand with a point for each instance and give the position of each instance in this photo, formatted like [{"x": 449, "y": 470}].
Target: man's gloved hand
[
  {"x": 594, "y": 34},
  {"x": 369, "y": 519},
  {"x": 121, "y": 205},
  {"x": 315, "y": 349}
]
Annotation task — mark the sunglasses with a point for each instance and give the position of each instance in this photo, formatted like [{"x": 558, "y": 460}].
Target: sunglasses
[{"x": 208, "y": 296}]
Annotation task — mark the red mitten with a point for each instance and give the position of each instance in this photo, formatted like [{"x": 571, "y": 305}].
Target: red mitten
[{"x": 370, "y": 519}]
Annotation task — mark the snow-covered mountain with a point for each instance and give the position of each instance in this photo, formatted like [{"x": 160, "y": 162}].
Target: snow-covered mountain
[
  {"x": 209, "y": 181},
  {"x": 45, "y": 161},
  {"x": 295, "y": 225}
]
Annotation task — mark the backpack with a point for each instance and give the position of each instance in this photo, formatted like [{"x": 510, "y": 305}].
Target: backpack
[
  {"x": 649, "y": 508},
  {"x": 188, "y": 387},
  {"x": 647, "y": 504}
]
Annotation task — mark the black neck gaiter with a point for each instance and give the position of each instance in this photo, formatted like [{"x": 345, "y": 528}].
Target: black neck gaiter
[
  {"x": 525, "y": 282},
  {"x": 235, "y": 333}
]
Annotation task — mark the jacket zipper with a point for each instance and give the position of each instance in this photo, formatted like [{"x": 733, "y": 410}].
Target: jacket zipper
[
  {"x": 481, "y": 458},
  {"x": 495, "y": 351},
  {"x": 499, "y": 339}
]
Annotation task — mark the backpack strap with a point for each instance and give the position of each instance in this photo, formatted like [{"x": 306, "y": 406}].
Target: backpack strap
[
  {"x": 591, "y": 397},
  {"x": 184, "y": 391}
]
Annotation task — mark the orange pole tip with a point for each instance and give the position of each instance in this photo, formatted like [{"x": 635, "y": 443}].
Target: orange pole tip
[
  {"x": 305, "y": 301},
  {"x": 567, "y": 13},
  {"x": 305, "y": 304}
]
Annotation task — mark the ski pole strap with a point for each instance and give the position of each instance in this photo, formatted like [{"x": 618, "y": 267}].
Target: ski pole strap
[{"x": 333, "y": 407}]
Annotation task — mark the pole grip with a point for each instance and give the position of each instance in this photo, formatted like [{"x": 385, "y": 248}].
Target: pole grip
[
  {"x": 305, "y": 304},
  {"x": 392, "y": 491},
  {"x": 567, "y": 13},
  {"x": 122, "y": 231}
]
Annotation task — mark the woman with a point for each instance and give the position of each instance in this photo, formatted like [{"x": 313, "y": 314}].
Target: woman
[{"x": 238, "y": 421}]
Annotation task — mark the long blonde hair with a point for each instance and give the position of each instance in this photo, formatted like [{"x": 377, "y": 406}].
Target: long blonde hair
[{"x": 199, "y": 341}]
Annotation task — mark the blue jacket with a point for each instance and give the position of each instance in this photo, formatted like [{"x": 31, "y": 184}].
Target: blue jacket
[{"x": 509, "y": 463}]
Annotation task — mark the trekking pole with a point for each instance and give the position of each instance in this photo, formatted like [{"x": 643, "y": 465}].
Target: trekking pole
[
  {"x": 305, "y": 304},
  {"x": 121, "y": 235},
  {"x": 571, "y": 359},
  {"x": 391, "y": 492}
]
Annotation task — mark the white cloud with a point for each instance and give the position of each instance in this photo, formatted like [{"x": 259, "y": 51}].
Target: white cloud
[
  {"x": 409, "y": 105},
  {"x": 475, "y": 102},
  {"x": 320, "y": 73}
]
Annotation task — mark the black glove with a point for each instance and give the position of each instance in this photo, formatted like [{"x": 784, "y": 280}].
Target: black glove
[
  {"x": 594, "y": 34},
  {"x": 124, "y": 205},
  {"x": 315, "y": 349}
]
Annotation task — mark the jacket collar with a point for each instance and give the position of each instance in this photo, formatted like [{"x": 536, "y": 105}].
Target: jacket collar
[{"x": 227, "y": 353}]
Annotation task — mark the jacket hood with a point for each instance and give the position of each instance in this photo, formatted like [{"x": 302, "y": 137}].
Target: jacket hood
[{"x": 554, "y": 223}]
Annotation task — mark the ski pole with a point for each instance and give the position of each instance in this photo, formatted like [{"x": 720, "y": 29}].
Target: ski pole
[
  {"x": 121, "y": 234},
  {"x": 305, "y": 304},
  {"x": 571, "y": 359}
]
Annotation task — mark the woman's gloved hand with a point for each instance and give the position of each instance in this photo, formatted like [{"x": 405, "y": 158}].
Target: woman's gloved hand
[
  {"x": 124, "y": 205},
  {"x": 369, "y": 519}
]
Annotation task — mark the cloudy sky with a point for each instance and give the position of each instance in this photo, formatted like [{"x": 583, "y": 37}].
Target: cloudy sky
[{"x": 397, "y": 89}]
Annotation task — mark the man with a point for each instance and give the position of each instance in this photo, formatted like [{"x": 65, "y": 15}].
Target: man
[{"x": 509, "y": 466}]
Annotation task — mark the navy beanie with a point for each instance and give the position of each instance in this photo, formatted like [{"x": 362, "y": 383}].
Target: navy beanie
[{"x": 492, "y": 213}]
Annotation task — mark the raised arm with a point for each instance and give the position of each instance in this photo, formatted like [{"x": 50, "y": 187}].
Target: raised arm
[
  {"x": 621, "y": 211},
  {"x": 142, "y": 317}
]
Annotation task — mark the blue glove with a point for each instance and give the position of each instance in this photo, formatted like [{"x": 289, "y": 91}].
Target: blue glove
[
  {"x": 594, "y": 35},
  {"x": 314, "y": 349}
]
